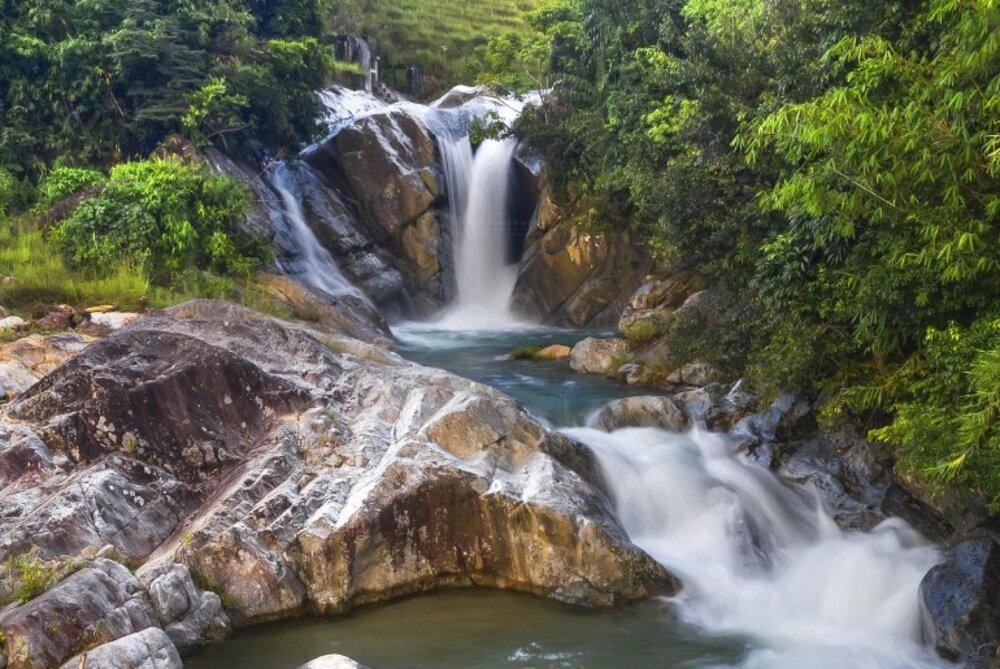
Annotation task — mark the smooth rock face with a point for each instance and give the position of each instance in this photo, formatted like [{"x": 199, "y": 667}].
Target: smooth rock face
[
  {"x": 570, "y": 277},
  {"x": 660, "y": 412},
  {"x": 291, "y": 471},
  {"x": 962, "y": 599},
  {"x": 149, "y": 649},
  {"x": 598, "y": 356}
]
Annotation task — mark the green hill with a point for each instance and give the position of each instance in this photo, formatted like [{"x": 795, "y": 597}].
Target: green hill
[{"x": 438, "y": 35}]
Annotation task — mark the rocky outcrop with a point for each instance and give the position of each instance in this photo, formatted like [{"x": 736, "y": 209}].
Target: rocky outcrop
[
  {"x": 962, "y": 599},
  {"x": 571, "y": 277},
  {"x": 289, "y": 470},
  {"x": 598, "y": 356},
  {"x": 386, "y": 161},
  {"x": 647, "y": 314},
  {"x": 96, "y": 605}
]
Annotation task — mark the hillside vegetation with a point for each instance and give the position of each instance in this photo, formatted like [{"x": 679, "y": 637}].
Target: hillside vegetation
[
  {"x": 832, "y": 169},
  {"x": 441, "y": 36}
]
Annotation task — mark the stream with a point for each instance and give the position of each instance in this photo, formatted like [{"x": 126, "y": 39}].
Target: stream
[{"x": 770, "y": 581}]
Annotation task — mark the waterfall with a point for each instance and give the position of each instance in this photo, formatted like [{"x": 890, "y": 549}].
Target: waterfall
[
  {"x": 479, "y": 202},
  {"x": 760, "y": 558},
  {"x": 311, "y": 263},
  {"x": 456, "y": 159}
]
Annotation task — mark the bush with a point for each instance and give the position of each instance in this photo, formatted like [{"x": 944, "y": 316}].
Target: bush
[
  {"x": 165, "y": 215},
  {"x": 947, "y": 409},
  {"x": 62, "y": 182},
  {"x": 642, "y": 331}
]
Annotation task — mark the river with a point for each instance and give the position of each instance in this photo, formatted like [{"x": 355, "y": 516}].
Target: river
[{"x": 769, "y": 580}]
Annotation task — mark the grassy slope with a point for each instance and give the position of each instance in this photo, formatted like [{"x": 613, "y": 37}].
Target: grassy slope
[{"x": 438, "y": 34}]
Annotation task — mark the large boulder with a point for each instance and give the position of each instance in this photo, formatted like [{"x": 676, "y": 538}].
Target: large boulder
[
  {"x": 293, "y": 471},
  {"x": 661, "y": 412},
  {"x": 386, "y": 161},
  {"x": 572, "y": 277},
  {"x": 598, "y": 356},
  {"x": 961, "y": 596}
]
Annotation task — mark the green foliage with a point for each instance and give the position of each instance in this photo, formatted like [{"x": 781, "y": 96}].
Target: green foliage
[
  {"x": 946, "y": 403},
  {"x": 95, "y": 82},
  {"x": 441, "y": 36},
  {"x": 29, "y": 575},
  {"x": 525, "y": 352},
  {"x": 62, "y": 182},
  {"x": 830, "y": 168},
  {"x": 165, "y": 215},
  {"x": 642, "y": 330}
]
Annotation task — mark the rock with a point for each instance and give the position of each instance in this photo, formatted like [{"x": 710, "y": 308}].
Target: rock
[
  {"x": 100, "y": 309},
  {"x": 12, "y": 323},
  {"x": 387, "y": 162},
  {"x": 190, "y": 616},
  {"x": 660, "y": 412},
  {"x": 571, "y": 277},
  {"x": 788, "y": 417},
  {"x": 297, "y": 471},
  {"x": 346, "y": 315},
  {"x": 24, "y": 361},
  {"x": 149, "y": 649},
  {"x": 697, "y": 373},
  {"x": 98, "y": 604},
  {"x": 598, "y": 356},
  {"x": 113, "y": 320},
  {"x": 554, "y": 352},
  {"x": 961, "y": 596},
  {"x": 58, "y": 317},
  {"x": 460, "y": 95},
  {"x": 332, "y": 662},
  {"x": 670, "y": 292}
]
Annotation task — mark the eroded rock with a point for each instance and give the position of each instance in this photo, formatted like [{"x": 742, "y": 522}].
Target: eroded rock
[
  {"x": 661, "y": 412},
  {"x": 598, "y": 356},
  {"x": 149, "y": 649},
  {"x": 293, "y": 470}
]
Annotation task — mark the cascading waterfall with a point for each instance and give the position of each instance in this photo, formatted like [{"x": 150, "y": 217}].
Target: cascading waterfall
[
  {"x": 485, "y": 280},
  {"x": 760, "y": 558},
  {"x": 456, "y": 159},
  {"x": 313, "y": 264}
]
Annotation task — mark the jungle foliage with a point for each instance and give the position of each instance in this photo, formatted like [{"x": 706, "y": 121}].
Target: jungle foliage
[
  {"x": 99, "y": 82},
  {"x": 833, "y": 164}
]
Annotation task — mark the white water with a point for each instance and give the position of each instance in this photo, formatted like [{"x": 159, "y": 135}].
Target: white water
[
  {"x": 456, "y": 159},
  {"x": 485, "y": 280},
  {"x": 810, "y": 594},
  {"x": 314, "y": 265}
]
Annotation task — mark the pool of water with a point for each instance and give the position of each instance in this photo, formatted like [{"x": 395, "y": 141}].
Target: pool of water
[
  {"x": 474, "y": 629},
  {"x": 551, "y": 391}
]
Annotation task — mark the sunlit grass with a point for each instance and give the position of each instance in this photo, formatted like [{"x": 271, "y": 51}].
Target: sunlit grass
[{"x": 438, "y": 34}]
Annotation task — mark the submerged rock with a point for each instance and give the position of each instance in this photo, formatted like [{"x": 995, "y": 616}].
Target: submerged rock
[
  {"x": 291, "y": 471},
  {"x": 554, "y": 352}
]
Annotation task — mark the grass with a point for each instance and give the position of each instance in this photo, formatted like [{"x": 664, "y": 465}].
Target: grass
[
  {"x": 439, "y": 34},
  {"x": 32, "y": 273}
]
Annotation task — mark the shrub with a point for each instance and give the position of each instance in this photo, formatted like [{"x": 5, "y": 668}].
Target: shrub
[
  {"x": 62, "y": 182},
  {"x": 167, "y": 216},
  {"x": 642, "y": 330}
]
